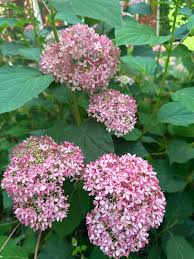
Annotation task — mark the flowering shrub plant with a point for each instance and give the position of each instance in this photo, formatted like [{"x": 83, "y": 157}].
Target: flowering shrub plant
[{"x": 97, "y": 121}]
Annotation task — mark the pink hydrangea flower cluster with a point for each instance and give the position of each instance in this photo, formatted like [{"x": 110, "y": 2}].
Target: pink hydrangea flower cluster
[
  {"x": 128, "y": 203},
  {"x": 82, "y": 59},
  {"x": 115, "y": 110},
  {"x": 35, "y": 177}
]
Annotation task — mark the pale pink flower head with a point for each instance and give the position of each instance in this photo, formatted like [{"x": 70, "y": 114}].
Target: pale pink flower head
[
  {"x": 116, "y": 110},
  {"x": 82, "y": 59},
  {"x": 35, "y": 176},
  {"x": 128, "y": 203}
]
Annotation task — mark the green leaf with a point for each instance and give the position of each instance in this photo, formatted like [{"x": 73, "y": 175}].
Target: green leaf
[
  {"x": 186, "y": 11},
  {"x": 7, "y": 201},
  {"x": 184, "y": 229},
  {"x": 135, "y": 33},
  {"x": 182, "y": 131},
  {"x": 177, "y": 247},
  {"x": 181, "y": 32},
  {"x": 122, "y": 147},
  {"x": 106, "y": 10},
  {"x": 133, "y": 135},
  {"x": 151, "y": 123},
  {"x": 175, "y": 113},
  {"x": 186, "y": 97},
  {"x": 140, "y": 8},
  {"x": 8, "y": 22},
  {"x": 148, "y": 139},
  {"x": 30, "y": 240},
  {"x": 60, "y": 92},
  {"x": 84, "y": 201},
  {"x": 170, "y": 180},
  {"x": 91, "y": 137},
  {"x": 65, "y": 11},
  {"x": 180, "y": 206},
  {"x": 144, "y": 51},
  {"x": 69, "y": 224},
  {"x": 56, "y": 249},
  {"x": 14, "y": 253},
  {"x": 5, "y": 145},
  {"x": 10, "y": 48},
  {"x": 30, "y": 53},
  {"x": 190, "y": 23},
  {"x": 143, "y": 65},
  {"x": 181, "y": 51},
  {"x": 19, "y": 85},
  {"x": 97, "y": 253},
  {"x": 69, "y": 18},
  {"x": 11, "y": 251},
  {"x": 180, "y": 151},
  {"x": 18, "y": 130},
  {"x": 155, "y": 252}
]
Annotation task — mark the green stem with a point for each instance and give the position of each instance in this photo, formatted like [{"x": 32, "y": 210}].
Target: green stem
[
  {"x": 37, "y": 246},
  {"x": 7, "y": 240},
  {"x": 52, "y": 16},
  {"x": 9, "y": 223},
  {"x": 158, "y": 58},
  {"x": 75, "y": 108},
  {"x": 33, "y": 20},
  {"x": 171, "y": 41}
]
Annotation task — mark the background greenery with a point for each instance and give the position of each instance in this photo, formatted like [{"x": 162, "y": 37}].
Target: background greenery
[{"x": 32, "y": 104}]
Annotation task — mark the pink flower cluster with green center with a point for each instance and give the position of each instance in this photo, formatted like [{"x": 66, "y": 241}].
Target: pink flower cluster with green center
[
  {"x": 115, "y": 110},
  {"x": 82, "y": 59},
  {"x": 35, "y": 177},
  {"x": 128, "y": 203}
]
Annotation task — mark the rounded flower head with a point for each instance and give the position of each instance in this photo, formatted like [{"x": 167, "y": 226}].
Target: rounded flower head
[
  {"x": 115, "y": 110},
  {"x": 82, "y": 59},
  {"x": 35, "y": 177},
  {"x": 128, "y": 203}
]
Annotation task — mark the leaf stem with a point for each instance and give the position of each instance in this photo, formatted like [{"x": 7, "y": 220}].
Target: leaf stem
[
  {"x": 171, "y": 41},
  {"x": 181, "y": 40},
  {"x": 33, "y": 20},
  {"x": 46, "y": 7},
  {"x": 75, "y": 108},
  {"x": 7, "y": 240},
  {"x": 54, "y": 29},
  {"x": 37, "y": 245}
]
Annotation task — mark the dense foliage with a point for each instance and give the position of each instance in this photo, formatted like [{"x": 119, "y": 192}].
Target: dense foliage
[{"x": 80, "y": 80}]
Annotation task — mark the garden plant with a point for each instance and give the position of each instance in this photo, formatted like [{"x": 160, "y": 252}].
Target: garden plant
[{"x": 96, "y": 129}]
